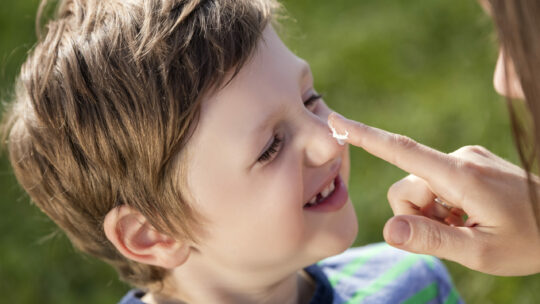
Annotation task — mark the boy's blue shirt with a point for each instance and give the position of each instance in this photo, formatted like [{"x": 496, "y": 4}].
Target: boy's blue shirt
[{"x": 376, "y": 273}]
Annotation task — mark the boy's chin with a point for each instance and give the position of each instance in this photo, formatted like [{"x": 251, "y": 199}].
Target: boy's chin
[
  {"x": 347, "y": 232},
  {"x": 342, "y": 238}
]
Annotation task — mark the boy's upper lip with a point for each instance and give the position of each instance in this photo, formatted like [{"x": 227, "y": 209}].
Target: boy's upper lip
[{"x": 334, "y": 172}]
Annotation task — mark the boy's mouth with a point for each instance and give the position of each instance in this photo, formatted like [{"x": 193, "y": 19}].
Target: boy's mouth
[
  {"x": 331, "y": 198},
  {"x": 319, "y": 197}
]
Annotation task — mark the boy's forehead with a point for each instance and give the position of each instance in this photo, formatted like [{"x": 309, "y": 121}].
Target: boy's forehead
[{"x": 273, "y": 72}]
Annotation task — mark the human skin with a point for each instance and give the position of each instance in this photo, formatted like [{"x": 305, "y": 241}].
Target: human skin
[
  {"x": 501, "y": 235},
  {"x": 256, "y": 235}
]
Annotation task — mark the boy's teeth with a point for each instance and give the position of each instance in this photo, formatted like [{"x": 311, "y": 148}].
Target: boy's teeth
[
  {"x": 320, "y": 196},
  {"x": 325, "y": 192},
  {"x": 328, "y": 190},
  {"x": 332, "y": 187}
]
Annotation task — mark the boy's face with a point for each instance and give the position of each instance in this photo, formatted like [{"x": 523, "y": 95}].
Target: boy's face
[{"x": 258, "y": 156}]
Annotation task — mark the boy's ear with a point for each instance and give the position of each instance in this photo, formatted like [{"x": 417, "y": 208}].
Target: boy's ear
[{"x": 134, "y": 237}]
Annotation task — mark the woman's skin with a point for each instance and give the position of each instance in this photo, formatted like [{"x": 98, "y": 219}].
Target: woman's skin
[{"x": 500, "y": 236}]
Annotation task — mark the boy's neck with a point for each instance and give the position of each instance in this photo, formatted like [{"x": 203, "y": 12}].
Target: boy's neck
[{"x": 298, "y": 288}]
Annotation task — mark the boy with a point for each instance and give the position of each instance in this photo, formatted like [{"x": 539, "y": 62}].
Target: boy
[{"x": 184, "y": 144}]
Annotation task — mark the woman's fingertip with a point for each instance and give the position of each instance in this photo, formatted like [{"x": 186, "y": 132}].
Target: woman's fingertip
[
  {"x": 397, "y": 231},
  {"x": 337, "y": 122},
  {"x": 336, "y": 117}
]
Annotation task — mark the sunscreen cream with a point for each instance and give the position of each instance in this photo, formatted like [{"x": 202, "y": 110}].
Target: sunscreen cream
[{"x": 339, "y": 137}]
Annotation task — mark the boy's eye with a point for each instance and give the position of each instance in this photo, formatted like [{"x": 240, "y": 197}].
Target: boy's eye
[
  {"x": 312, "y": 100},
  {"x": 277, "y": 142},
  {"x": 272, "y": 149}
]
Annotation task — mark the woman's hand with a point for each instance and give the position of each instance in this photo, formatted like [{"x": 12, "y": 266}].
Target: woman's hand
[{"x": 500, "y": 235}]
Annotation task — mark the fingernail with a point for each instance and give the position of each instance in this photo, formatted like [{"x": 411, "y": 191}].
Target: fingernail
[
  {"x": 340, "y": 137},
  {"x": 400, "y": 232},
  {"x": 335, "y": 116}
]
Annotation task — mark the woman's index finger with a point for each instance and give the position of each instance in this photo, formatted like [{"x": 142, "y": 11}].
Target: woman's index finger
[{"x": 401, "y": 151}]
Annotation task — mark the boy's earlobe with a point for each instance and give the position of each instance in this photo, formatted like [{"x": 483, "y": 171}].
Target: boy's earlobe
[{"x": 133, "y": 236}]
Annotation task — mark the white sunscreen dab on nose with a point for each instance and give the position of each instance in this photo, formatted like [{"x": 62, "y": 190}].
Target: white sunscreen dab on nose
[{"x": 339, "y": 137}]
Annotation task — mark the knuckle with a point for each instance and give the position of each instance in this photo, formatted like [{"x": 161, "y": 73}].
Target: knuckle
[
  {"x": 394, "y": 191},
  {"x": 433, "y": 240},
  {"x": 479, "y": 150},
  {"x": 460, "y": 151},
  {"x": 404, "y": 141},
  {"x": 471, "y": 149},
  {"x": 463, "y": 150},
  {"x": 471, "y": 170}
]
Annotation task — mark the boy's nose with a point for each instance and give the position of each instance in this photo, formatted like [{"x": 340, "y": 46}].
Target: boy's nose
[{"x": 321, "y": 147}]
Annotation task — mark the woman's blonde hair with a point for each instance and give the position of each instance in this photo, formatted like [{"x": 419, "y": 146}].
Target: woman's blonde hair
[{"x": 106, "y": 102}]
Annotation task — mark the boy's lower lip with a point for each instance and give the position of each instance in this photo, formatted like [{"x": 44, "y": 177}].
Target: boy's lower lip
[{"x": 334, "y": 201}]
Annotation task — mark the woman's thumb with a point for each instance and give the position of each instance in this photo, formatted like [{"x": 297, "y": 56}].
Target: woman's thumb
[{"x": 420, "y": 234}]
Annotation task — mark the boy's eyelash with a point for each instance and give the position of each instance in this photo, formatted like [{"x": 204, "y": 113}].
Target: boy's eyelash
[
  {"x": 312, "y": 99},
  {"x": 273, "y": 149}
]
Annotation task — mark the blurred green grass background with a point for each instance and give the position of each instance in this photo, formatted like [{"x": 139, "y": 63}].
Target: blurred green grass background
[{"x": 421, "y": 68}]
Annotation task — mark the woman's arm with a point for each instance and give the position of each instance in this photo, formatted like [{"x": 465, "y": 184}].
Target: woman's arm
[{"x": 499, "y": 237}]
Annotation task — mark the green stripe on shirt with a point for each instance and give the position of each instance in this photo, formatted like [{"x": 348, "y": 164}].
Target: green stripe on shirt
[
  {"x": 352, "y": 267},
  {"x": 430, "y": 261},
  {"x": 425, "y": 295},
  {"x": 452, "y": 297},
  {"x": 384, "y": 279}
]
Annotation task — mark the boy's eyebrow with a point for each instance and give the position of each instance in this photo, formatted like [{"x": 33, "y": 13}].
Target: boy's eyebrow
[{"x": 305, "y": 72}]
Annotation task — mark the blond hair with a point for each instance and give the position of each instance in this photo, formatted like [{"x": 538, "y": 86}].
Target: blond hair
[{"x": 106, "y": 102}]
